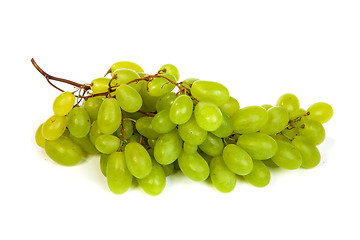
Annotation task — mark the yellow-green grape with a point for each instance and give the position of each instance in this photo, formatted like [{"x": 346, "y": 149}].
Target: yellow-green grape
[
  {"x": 118, "y": 177},
  {"x": 107, "y": 143},
  {"x": 124, "y": 76},
  {"x": 165, "y": 102},
  {"x": 278, "y": 119},
  {"x": 321, "y": 112},
  {"x": 313, "y": 131},
  {"x": 194, "y": 166},
  {"x": 223, "y": 179},
  {"x": 269, "y": 163},
  {"x": 127, "y": 65},
  {"x": 103, "y": 162},
  {"x": 135, "y": 137},
  {"x": 100, "y": 85},
  {"x": 258, "y": 145},
  {"x": 290, "y": 102},
  {"x": 309, "y": 152},
  {"x": 230, "y": 107},
  {"x": 171, "y": 69},
  {"x": 138, "y": 160},
  {"x": 94, "y": 132},
  {"x": 281, "y": 137},
  {"x": 63, "y": 151},
  {"x": 151, "y": 142},
  {"x": 212, "y": 145},
  {"x": 109, "y": 116},
  {"x": 181, "y": 109},
  {"x": 190, "y": 148},
  {"x": 210, "y": 92},
  {"x": 205, "y": 156},
  {"x": 85, "y": 144},
  {"x": 249, "y": 119},
  {"x": 168, "y": 147},
  {"x": 266, "y": 106},
  {"x": 78, "y": 122},
  {"x": 287, "y": 156},
  {"x": 237, "y": 159},
  {"x": 144, "y": 127},
  {"x": 160, "y": 85},
  {"x": 92, "y": 106},
  {"x": 259, "y": 176},
  {"x": 208, "y": 116},
  {"x": 168, "y": 169},
  {"x": 39, "y": 138},
  {"x": 226, "y": 128},
  {"x": 63, "y": 103},
  {"x": 54, "y": 127},
  {"x": 125, "y": 130},
  {"x": 191, "y": 132},
  {"x": 149, "y": 102},
  {"x": 300, "y": 113},
  {"x": 154, "y": 183},
  {"x": 161, "y": 123},
  {"x": 129, "y": 99},
  {"x": 188, "y": 82}
]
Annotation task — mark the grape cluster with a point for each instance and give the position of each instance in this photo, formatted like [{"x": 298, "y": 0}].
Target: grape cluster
[{"x": 145, "y": 131}]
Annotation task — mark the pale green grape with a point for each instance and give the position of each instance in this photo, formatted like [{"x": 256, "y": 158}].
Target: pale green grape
[
  {"x": 92, "y": 106},
  {"x": 160, "y": 86},
  {"x": 212, "y": 145},
  {"x": 226, "y": 128},
  {"x": 161, "y": 123},
  {"x": 103, "y": 162},
  {"x": 237, "y": 159},
  {"x": 149, "y": 102},
  {"x": 85, "y": 144},
  {"x": 63, "y": 151},
  {"x": 287, "y": 156},
  {"x": 194, "y": 166},
  {"x": 165, "y": 102},
  {"x": 107, "y": 143},
  {"x": 189, "y": 148},
  {"x": 249, "y": 119},
  {"x": 154, "y": 183},
  {"x": 230, "y": 107},
  {"x": 39, "y": 138},
  {"x": 78, "y": 122},
  {"x": 208, "y": 116},
  {"x": 290, "y": 102},
  {"x": 135, "y": 138},
  {"x": 313, "y": 131},
  {"x": 191, "y": 132},
  {"x": 259, "y": 176},
  {"x": 223, "y": 179},
  {"x": 138, "y": 160},
  {"x": 94, "y": 132},
  {"x": 210, "y": 92},
  {"x": 168, "y": 169},
  {"x": 168, "y": 147},
  {"x": 129, "y": 99},
  {"x": 100, "y": 85},
  {"x": 171, "y": 69},
  {"x": 63, "y": 103},
  {"x": 109, "y": 116},
  {"x": 266, "y": 106},
  {"x": 278, "y": 119},
  {"x": 127, "y": 65},
  {"x": 309, "y": 152},
  {"x": 258, "y": 145},
  {"x": 188, "y": 82},
  {"x": 144, "y": 127},
  {"x": 181, "y": 109},
  {"x": 290, "y": 132},
  {"x": 300, "y": 113},
  {"x": 124, "y": 76},
  {"x": 54, "y": 127},
  {"x": 118, "y": 177},
  {"x": 125, "y": 130},
  {"x": 321, "y": 112}
]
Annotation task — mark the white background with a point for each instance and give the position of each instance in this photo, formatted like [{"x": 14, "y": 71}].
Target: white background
[{"x": 258, "y": 49}]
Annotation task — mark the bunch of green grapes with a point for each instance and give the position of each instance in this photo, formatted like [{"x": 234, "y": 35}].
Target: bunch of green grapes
[{"x": 144, "y": 131}]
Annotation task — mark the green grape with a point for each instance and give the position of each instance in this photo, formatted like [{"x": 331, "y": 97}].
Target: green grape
[
  {"x": 205, "y": 156},
  {"x": 109, "y": 116},
  {"x": 281, "y": 137},
  {"x": 230, "y": 107},
  {"x": 191, "y": 132},
  {"x": 210, "y": 92},
  {"x": 259, "y": 176},
  {"x": 237, "y": 159},
  {"x": 135, "y": 137},
  {"x": 132, "y": 116},
  {"x": 100, "y": 85},
  {"x": 165, "y": 102},
  {"x": 290, "y": 102},
  {"x": 85, "y": 144},
  {"x": 181, "y": 109},
  {"x": 208, "y": 116},
  {"x": 171, "y": 69},
  {"x": 300, "y": 113},
  {"x": 149, "y": 102},
  {"x": 278, "y": 119},
  {"x": 138, "y": 160},
  {"x": 151, "y": 142},
  {"x": 118, "y": 177},
  {"x": 287, "y": 156},
  {"x": 63, "y": 151},
  {"x": 103, "y": 162},
  {"x": 39, "y": 138},
  {"x": 313, "y": 131},
  {"x": 290, "y": 132},
  {"x": 129, "y": 99},
  {"x": 226, "y": 128},
  {"x": 168, "y": 169},
  {"x": 321, "y": 112},
  {"x": 63, "y": 103},
  {"x": 249, "y": 119},
  {"x": 160, "y": 86},
  {"x": 194, "y": 166},
  {"x": 154, "y": 183},
  {"x": 258, "y": 145},
  {"x": 54, "y": 127},
  {"x": 94, "y": 132},
  {"x": 188, "y": 82},
  {"x": 78, "y": 122},
  {"x": 107, "y": 143},
  {"x": 269, "y": 163},
  {"x": 189, "y": 148},
  {"x": 212, "y": 145},
  {"x": 161, "y": 123},
  {"x": 125, "y": 130},
  {"x": 144, "y": 127},
  {"x": 309, "y": 152},
  {"x": 124, "y": 76},
  {"x": 92, "y": 106},
  {"x": 168, "y": 147},
  {"x": 223, "y": 179},
  {"x": 126, "y": 65},
  {"x": 266, "y": 106}
]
